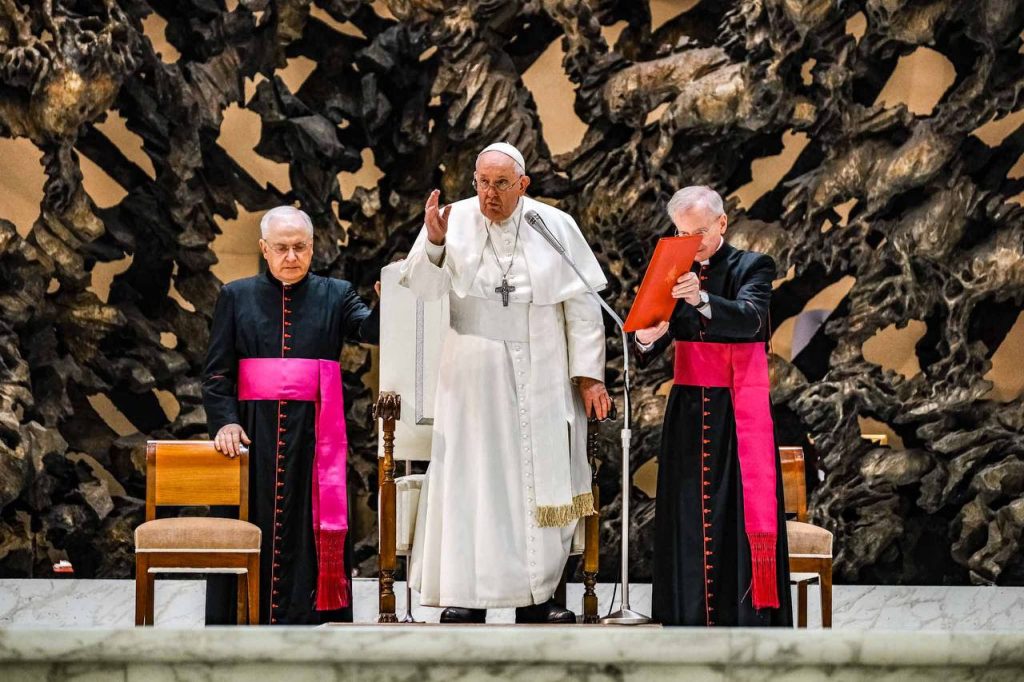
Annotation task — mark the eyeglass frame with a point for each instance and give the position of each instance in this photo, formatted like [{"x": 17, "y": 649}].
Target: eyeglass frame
[
  {"x": 489, "y": 185},
  {"x": 702, "y": 231},
  {"x": 300, "y": 249}
]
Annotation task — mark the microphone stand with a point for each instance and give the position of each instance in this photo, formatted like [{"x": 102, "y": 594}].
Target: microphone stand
[
  {"x": 625, "y": 615},
  {"x": 408, "y": 617}
]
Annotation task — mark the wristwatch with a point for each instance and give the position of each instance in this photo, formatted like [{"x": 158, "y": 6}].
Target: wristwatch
[{"x": 703, "y": 301}]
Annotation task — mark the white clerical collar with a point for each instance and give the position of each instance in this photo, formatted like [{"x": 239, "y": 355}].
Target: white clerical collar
[{"x": 721, "y": 240}]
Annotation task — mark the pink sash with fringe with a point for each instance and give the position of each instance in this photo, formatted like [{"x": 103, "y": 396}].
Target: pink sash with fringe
[
  {"x": 743, "y": 369},
  {"x": 317, "y": 381}
]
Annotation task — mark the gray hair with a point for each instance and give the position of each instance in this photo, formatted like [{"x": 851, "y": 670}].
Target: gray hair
[
  {"x": 282, "y": 213},
  {"x": 695, "y": 196}
]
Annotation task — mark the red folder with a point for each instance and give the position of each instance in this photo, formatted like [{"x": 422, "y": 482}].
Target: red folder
[{"x": 673, "y": 256}]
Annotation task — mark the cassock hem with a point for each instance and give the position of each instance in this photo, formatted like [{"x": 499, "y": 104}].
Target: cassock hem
[{"x": 484, "y": 603}]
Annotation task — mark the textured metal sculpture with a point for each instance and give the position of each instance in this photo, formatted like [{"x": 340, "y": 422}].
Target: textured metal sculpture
[{"x": 932, "y": 235}]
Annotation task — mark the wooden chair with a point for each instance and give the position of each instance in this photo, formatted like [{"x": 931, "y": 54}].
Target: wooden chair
[
  {"x": 388, "y": 410},
  {"x": 810, "y": 546},
  {"x": 193, "y": 473}
]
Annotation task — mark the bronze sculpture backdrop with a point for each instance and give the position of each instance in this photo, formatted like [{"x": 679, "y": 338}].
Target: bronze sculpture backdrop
[{"x": 932, "y": 235}]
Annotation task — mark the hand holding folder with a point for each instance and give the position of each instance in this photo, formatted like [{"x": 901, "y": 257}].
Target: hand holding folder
[{"x": 673, "y": 256}]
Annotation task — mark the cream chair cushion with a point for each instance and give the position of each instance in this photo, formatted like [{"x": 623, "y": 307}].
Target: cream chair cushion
[
  {"x": 579, "y": 538},
  {"x": 197, "y": 534},
  {"x": 407, "y": 505},
  {"x": 806, "y": 540}
]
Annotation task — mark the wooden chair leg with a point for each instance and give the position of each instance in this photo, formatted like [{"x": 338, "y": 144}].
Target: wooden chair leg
[
  {"x": 388, "y": 410},
  {"x": 590, "y": 566},
  {"x": 150, "y": 580},
  {"x": 801, "y": 604},
  {"x": 242, "y": 599},
  {"x": 141, "y": 569},
  {"x": 826, "y": 594},
  {"x": 253, "y": 583}
]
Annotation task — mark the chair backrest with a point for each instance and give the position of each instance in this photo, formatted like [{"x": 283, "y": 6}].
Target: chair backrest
[
  {"x": 794, "y": 483},
  {"x": 192, "y": 473},
  {"x": 411, "y": 334}
]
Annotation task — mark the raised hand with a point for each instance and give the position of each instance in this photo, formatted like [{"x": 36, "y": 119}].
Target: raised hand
[{"x": 437, "y": 219}]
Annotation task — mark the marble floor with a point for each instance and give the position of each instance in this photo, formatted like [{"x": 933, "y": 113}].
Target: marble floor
[{"x": 179, "y": 604}]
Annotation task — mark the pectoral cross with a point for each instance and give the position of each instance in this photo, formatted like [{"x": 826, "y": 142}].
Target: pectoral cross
[{"x": 504, "y": 290}]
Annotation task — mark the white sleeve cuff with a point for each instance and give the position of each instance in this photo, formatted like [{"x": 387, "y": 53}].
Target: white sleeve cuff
[
  {"x": 644, "y": 347},
  {"x": 434, "y": 252}
]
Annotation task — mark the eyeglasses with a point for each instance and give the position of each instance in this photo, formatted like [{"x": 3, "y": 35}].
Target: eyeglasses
[
  {"x": 702, "y": 231},
  {"x": 499, "y": 186},
  {"x": 282, "y": 249}
]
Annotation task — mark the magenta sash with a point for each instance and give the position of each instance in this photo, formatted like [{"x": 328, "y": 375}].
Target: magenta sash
[
  {"x": 317, "y": 381},
  {"x": 743, "y": 369}
]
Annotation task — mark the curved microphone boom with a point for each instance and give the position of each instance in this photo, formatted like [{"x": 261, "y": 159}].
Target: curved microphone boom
[
  {"x": 625, "y": 615},
  {"x": 537, "y": 223}
]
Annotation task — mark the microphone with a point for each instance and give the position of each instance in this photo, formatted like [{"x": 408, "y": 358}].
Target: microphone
[
  {"x": 537, "y": 223},
  {"x": 625, "y": 615}
]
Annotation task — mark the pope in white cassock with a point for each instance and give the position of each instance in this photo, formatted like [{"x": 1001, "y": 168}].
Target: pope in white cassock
[{"x": 521, "y": 366}]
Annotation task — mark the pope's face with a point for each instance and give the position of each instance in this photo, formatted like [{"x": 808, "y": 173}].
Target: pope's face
[
  {"x": 288, "y": 249},
  {"x": 700, "y": 221},
  {"x": 498, "y": 185}
]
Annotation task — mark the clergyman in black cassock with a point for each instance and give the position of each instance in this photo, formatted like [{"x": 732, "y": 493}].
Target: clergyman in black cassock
[
  {"x": 284, "y": 313},
  {"x": 704, "y": 568}
]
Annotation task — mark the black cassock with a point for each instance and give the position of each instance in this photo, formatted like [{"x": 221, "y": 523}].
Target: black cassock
[
  {"x": 702, "y": 573},
  {"x": 259, "y": 317}
]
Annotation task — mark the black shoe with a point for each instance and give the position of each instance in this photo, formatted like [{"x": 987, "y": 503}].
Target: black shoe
[
  {"x": 548, "y": 612},
  {"x": 457, "y": 614}
]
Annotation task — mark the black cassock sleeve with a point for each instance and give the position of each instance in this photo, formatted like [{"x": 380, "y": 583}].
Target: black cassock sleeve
[
  {"x": 646, "y": 357},
  {"x": 747, "y": 314},
  {"x": 220, "y": 377},
  {"x": 682, "y": 326},
  {"x": 361, "y": 323}
]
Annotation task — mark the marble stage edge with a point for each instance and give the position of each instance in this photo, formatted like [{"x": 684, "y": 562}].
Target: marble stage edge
[{"x": 81, "y": 630}]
